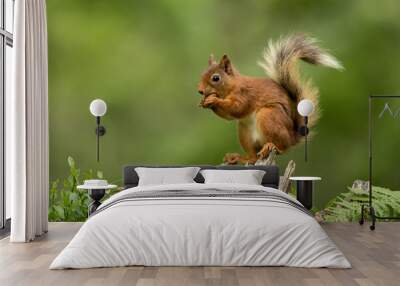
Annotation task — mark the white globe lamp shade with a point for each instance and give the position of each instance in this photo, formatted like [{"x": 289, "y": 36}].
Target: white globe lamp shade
[
  {"x": 305, "y": 107},
  {"x": 98, "y": 107}
]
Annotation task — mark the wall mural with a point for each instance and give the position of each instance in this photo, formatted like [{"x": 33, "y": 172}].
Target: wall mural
[
  {"x": 265, "y": 107},
  {"x": 147, "y": 71}
]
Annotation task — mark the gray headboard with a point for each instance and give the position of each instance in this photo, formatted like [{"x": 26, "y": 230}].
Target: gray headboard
[{"x": 271, "y": 177}]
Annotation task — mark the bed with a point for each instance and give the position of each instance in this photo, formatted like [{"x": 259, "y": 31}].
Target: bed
[{"x": 199, "y": 224}]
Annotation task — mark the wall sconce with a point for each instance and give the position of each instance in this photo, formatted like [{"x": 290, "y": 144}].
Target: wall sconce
[
  {"x": 98, "y": 108},
  {"x": 305, "y": 108}
]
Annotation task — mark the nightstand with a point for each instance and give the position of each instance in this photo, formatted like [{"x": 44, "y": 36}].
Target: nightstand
[
  {"x": 96, "y": 190},
  {"x": 305, "y": 186}
]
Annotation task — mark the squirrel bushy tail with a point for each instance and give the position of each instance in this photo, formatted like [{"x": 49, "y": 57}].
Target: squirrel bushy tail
[{"x": 280, "y": 64}]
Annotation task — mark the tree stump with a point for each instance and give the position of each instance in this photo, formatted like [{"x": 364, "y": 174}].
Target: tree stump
[
  {"x": 270, "y": 160},
  {"x": 284, "y": 182}
]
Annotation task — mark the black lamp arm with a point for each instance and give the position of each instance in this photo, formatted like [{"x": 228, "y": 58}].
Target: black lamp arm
[
  {"x": 303, "y": 130},
  {"x": 100, "y": 131}
]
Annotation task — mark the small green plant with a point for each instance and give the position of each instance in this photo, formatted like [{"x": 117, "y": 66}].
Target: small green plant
[
  {"x": 66, "y": 203},
  {"x": 346, "y": 206}
]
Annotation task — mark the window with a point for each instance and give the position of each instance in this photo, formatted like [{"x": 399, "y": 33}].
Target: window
[{"x": 6, "y": 56}]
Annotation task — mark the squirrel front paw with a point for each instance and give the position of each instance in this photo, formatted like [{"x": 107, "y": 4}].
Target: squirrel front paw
[
  {"x": 232, "y": 158},
  {"x": 266, "y": 149},
  {"x": 209, "y": 101}
]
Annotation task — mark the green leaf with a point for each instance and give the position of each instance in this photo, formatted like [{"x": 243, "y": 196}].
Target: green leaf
[
  {"x": 71, "y": 162},
  {"x": 60, "y": 211},
  {"x": 73, "y": 197},
  {"x": 346, "y": 206}
]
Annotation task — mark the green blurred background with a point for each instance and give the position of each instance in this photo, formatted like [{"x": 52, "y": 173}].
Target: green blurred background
[{"x": 144, "y": 58}]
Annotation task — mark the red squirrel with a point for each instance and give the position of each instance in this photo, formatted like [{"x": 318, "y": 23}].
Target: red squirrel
[{"x": 265, "y": 108}]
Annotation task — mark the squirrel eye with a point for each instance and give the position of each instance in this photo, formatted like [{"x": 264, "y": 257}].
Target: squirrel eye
[{"x": 215, "y": 77}]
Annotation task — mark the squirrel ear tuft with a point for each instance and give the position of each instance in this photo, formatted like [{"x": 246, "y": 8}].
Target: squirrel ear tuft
[
  {"x": 211, "y": 60},
  {"x": 226, "y": 65}
]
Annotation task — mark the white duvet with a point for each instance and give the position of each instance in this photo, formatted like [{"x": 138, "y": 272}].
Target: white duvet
[{"x": 200, "y": 231}]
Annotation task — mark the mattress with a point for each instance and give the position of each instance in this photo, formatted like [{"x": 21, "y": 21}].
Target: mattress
[{"x": 201, "y": 225}]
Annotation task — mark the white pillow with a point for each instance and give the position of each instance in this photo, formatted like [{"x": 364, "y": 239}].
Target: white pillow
[
  {"x": 247, "y": 177},
  {"x": 165, "y": 176}
]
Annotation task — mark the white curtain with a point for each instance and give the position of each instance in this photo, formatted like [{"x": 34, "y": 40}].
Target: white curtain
[{"x": 27, "y": 124}]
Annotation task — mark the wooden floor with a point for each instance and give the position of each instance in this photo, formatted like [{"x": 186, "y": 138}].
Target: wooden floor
[{"x": 375, "y": 257}]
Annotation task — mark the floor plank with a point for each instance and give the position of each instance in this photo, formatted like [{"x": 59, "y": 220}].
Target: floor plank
[{"x": 375, "y": 257}]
